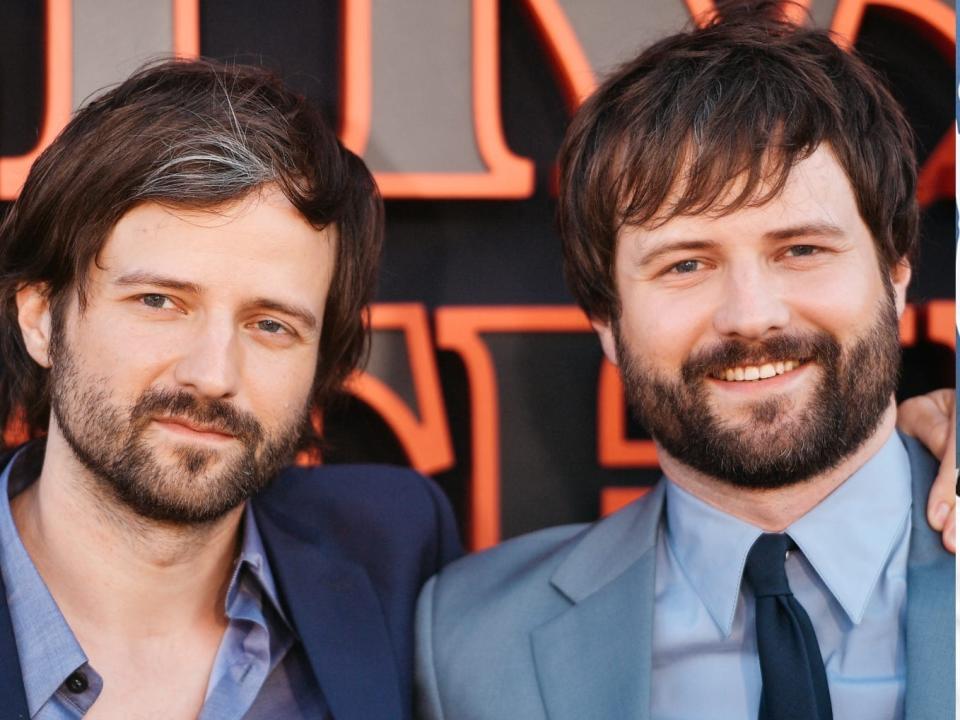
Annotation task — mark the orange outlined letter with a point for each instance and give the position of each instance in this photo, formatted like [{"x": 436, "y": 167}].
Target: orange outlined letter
[{"x": 506, "y": 175}]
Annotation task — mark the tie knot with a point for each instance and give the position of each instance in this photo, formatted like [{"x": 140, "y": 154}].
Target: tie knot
[{"x": 765, "y": 570}]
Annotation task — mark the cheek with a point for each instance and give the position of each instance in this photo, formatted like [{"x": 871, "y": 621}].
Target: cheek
[
  {"x": 111, "y": 348},
  {"x": 837, "y": 302},
  {"x": 664, "y": 328},
  {"x": 279, "y": 384}
]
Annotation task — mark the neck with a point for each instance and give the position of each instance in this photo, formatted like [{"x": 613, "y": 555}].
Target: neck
[
  {"x": 773, "y": 510},
  {"x": 111, "y": 571}
]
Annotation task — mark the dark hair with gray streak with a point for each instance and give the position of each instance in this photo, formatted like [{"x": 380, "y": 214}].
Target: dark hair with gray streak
[
  {"x": 745, "y": 97},
  {"x": 188, "y": 134}
]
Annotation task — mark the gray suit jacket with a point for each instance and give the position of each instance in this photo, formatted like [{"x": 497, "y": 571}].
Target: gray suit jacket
[{"x": 558, "y": 624}]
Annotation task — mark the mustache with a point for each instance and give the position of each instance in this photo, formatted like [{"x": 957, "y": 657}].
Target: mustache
[
  {"x": 215, "y": 414},
  {"x": 820, "y": 347}
]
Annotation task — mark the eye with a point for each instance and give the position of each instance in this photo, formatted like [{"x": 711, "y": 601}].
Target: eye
[
  {"x": 687, "y": 266},
  {"x": 802, "y": 250},
  {"x": 155, "y": 300},
  {"x": 271, "y": 326}
]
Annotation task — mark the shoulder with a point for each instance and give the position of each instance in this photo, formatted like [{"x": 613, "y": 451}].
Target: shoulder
[
  {"x": 474, "y": 620},
  {"x": 509, "y": 568},
  {"x": 490, "y": 601},
  {"x": 360, "y": 490},
  {"x": 389, "y": 508},
  {"x": 526, "y": 580}
]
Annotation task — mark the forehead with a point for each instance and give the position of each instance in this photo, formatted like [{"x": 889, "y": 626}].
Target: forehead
[
  {"x": 257, "y": 244},
  {"x": 817, "y": 191}
]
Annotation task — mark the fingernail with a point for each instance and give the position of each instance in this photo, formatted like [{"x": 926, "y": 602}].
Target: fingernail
[{"x": 940, "y": 515}]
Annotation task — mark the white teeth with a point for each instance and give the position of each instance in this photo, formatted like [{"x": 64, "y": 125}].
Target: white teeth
[{"x": 757, "y": 372}]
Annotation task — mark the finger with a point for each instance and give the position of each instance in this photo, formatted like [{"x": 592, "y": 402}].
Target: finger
[
  {"x": 929, "y": 418},
  {"x": 950, "y": 532},
  {"x": 943, "y": 494}
]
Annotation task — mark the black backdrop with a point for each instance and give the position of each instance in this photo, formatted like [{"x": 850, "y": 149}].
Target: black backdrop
[{"x": 502, "y": 252}]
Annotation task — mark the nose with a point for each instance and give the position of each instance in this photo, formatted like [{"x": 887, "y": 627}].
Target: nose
[
  {"x": 210, "y": 364},
  {"x": 752, "y": 304}
]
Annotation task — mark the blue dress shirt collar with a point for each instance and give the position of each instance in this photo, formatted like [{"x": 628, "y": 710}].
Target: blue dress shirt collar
[
  {"x": 865, "y": 517},
  {"x": 253, "y": 557},
  {"x": 48, "y": 650}
]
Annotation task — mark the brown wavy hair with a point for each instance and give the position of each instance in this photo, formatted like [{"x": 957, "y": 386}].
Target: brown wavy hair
[
  {"x": 188, "y": 134},
  {"x": 745, "y": 97}
]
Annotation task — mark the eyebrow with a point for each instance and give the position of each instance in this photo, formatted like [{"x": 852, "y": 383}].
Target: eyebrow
[
  {"x": 163, "y": 281},
  {"x": 145, "y": 278},
  {"x": 805, "y": 230},
  {"x": 672, "y": 247},
  {"x": 787, "y": 233}
]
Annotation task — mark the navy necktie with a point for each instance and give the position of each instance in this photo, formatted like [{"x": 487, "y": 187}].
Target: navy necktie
[{"x": 794, "y": 681}]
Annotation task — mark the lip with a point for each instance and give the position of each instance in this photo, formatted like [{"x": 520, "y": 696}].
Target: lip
[
  {"x": 185, "y": 428},
  {"x": 777, "y": 383}
]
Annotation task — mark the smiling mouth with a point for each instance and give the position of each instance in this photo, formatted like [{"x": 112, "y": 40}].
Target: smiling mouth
[{"x": 752, "y": 373}]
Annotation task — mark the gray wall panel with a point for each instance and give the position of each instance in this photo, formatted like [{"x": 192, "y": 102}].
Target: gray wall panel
[{"x": 112, "y": 37}]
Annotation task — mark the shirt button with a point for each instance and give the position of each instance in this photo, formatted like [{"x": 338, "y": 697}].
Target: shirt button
[{"x": 77, "y": 682}]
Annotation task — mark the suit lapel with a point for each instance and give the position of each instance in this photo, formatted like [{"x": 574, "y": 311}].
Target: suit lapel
[
  {"x": 930, "y": 605},
  {"x": 337, "y": 615},
  {"x": 594, "y": 660}
]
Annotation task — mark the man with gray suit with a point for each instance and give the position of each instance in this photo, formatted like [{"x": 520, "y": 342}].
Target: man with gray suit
[{"x": 739, "y": 218}]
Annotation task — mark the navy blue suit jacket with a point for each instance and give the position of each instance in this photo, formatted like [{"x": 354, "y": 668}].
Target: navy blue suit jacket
[{"x": 349, "y": 547}]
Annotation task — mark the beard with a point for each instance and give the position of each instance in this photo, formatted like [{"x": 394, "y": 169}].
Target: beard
[
  {"x": 199, "y": 485},
  {"x": 781, "y": 444}
]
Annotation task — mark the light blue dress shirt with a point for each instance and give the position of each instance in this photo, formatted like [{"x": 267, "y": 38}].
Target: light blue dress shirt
[
  {"x": 849, "y": 574},
  {"x": 259, "y": 672}
]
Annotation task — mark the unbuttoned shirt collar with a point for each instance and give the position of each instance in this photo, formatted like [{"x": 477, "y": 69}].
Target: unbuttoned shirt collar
[
  {"x": 847, "y": 538},
  {"x": 253, "y": 558},
  {"x": 49, "y": 651}
]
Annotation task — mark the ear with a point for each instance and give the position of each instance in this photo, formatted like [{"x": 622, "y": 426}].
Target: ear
[
  {"x": 33, "y": 314},
  {"x": 604, "y": 331},
  {"x": 900, "y": 277}
]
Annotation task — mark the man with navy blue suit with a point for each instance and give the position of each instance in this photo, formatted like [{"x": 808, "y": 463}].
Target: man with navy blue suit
[
  {"x": 738, "y": 213},
  {"x": 184, "y": 277}
]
